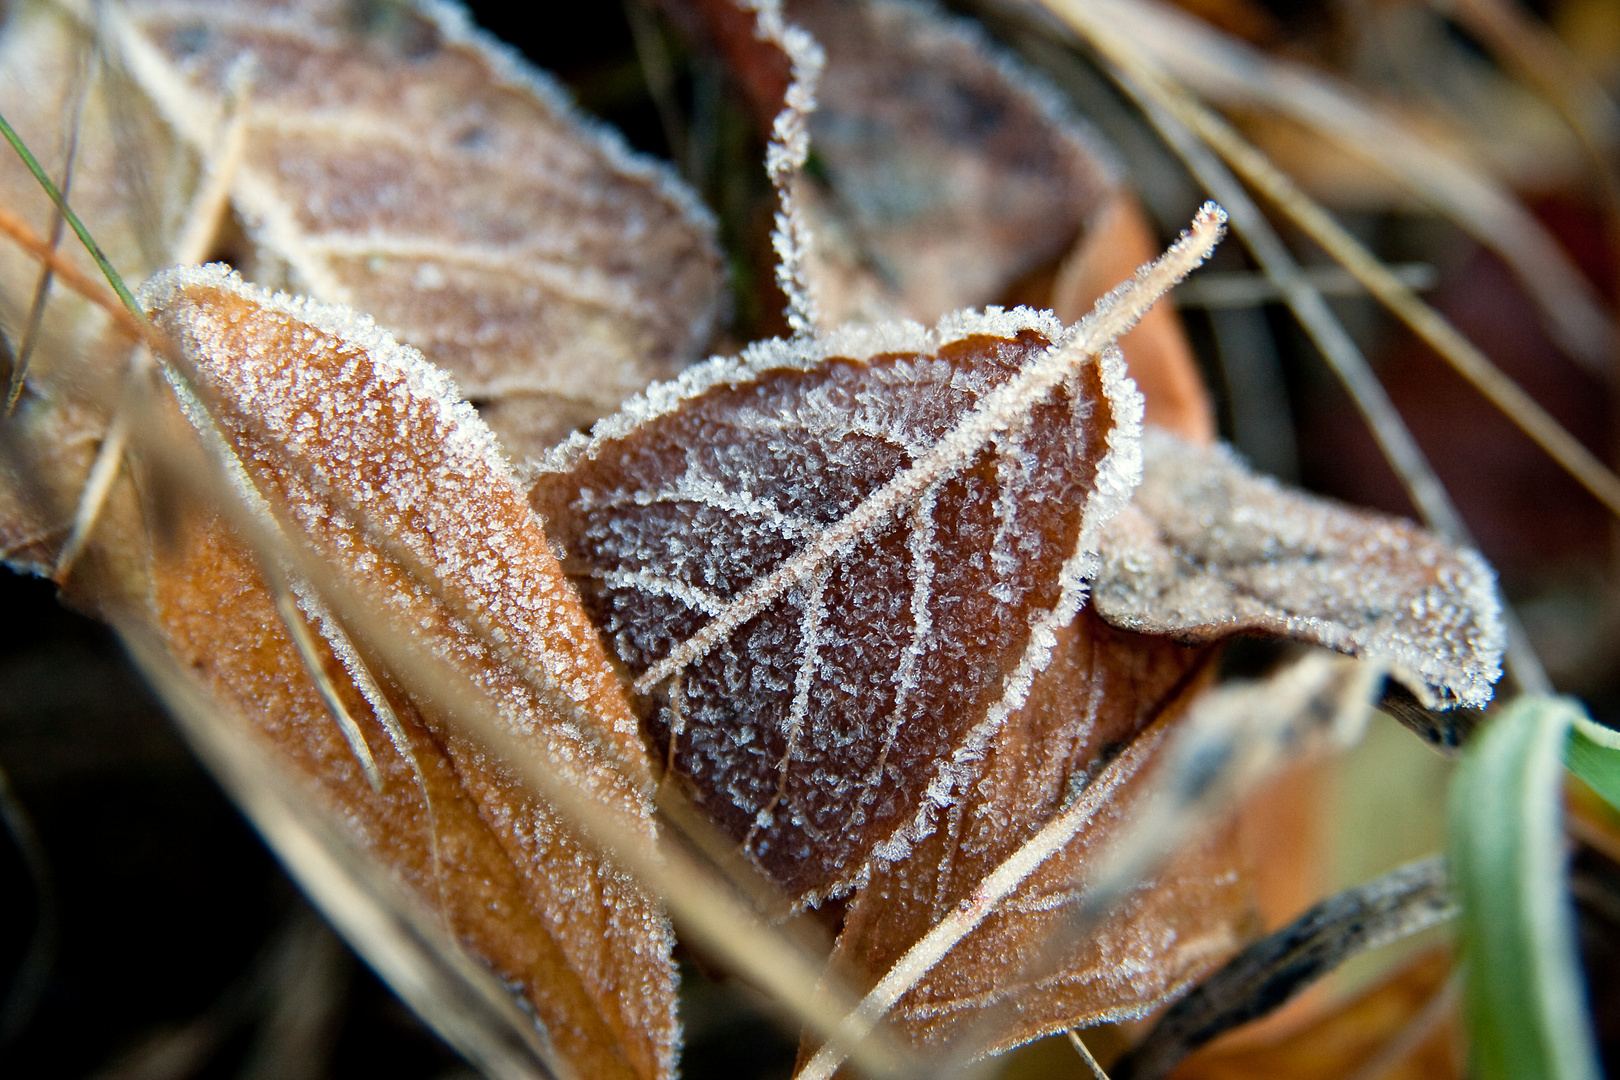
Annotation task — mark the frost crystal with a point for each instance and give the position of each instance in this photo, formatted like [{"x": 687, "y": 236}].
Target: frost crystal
[
  {"x": 1208, "y": 549},
  {"x": 836, "y": 575}
]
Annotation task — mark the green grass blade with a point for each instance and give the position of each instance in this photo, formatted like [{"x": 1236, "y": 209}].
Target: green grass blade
[
  {"x": 113, "y": 277},
  {"x": 1525, "y": 996},
  {"x": 1594, "y": 756}
]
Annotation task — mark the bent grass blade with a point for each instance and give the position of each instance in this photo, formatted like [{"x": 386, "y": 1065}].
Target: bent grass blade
[{"x": 1524, "y": 994}]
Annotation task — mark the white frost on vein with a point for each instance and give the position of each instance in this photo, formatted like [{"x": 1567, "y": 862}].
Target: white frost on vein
[
  {"x": 1117, "y": 476},
  {"x": 999, "y": 410}
]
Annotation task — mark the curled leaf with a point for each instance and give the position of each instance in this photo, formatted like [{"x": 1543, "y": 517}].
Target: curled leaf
[
  {"x": 947, "y": 170},
  {"x": 1208, "y": 549}
]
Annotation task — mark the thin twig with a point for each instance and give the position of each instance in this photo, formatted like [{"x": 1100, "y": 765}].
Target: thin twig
[
  {"x": 42, "y": 287},
  {"x": 1278, "y": 967},
  {"x": 1233, "y": 72},
  {"x": 61, "y": 267},
  {"x": 1084, "y": 1051}
]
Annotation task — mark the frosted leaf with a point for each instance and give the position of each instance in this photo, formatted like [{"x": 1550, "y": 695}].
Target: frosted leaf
[
  {"x": 1208, "y": 549},
  {"x": 403, "y": 163},
  {"x": 945, "y": 170},
  {"x": 1086, "y": 742},
  {"x": 845, "y": 712},
  {"x": 366, "y": 452},
  {"x": 950, "y": 170},
  {"x": 836, "y": 567}
]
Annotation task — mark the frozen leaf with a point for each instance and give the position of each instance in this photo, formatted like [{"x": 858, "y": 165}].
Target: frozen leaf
[
  {"x": 838, "y": 566},
  {"x": 393, "y": 158},
  {"x": 364, "y": 452},
  {"x": 425, "y": 825},
  {"x": 944, "y": 171},
  {"x": 1208, "y": 549},
  {"x": 867, "y": 657},
  {"x": 950, "y": 172},
  {"x": 1087, "y": 745}
]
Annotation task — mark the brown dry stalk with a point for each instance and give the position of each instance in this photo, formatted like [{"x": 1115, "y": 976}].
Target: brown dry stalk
[
  {"x": 1277, "y": 186},
  {"x": 77, "y": 280}
]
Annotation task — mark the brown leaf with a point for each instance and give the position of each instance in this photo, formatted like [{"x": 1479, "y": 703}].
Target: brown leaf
[
  {"x": 951, "y": 173},
  {"x": 360, "y": 449},
  {"x": 826, "y": 673},
  {"x": 945, "y": 171},
  {"x": 394, "y": 159},
  {"x": 425, "y": 825},
  {"x": 1208, "y": 549},
  {"x": 1092, "y": 730}
]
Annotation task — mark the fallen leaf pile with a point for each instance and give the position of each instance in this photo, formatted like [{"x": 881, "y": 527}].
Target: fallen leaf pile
[{"x": 882, "y": 602}]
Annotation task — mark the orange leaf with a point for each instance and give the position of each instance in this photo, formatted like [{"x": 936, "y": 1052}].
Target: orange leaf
[{"x": 364, "y": 452}]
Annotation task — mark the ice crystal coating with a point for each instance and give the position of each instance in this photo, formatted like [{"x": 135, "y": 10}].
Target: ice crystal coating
[
  {"x": 403, "y": 162},
  {"x": 870, "y": 650},
  {"x": 366, "y": 452},
  {"x": 1208, "y": 549},
  {"x": 947, "y": 170}
]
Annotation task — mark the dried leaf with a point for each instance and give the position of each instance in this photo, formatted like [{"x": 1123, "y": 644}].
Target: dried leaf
[
  {"x": 743, "y": 497},
  {"x": 847, "y": 572},
  {"x": 1092, "y": 734},
  {"x": 945, "y": 171},
  {"x": 1208, "y": 549},
  {"x": 396, "y": 159},
  {"x": 425, "y": 825},
  {"x": 363, "y": 451},
  {"x": 950, "y": 171}
]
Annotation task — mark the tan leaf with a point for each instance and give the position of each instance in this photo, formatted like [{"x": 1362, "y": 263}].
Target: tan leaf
[
  {"x": 426, "y": 824},
  {"x": 1208, "y": 549},
  {"x": 364, "y": 452},
  {"x": 400, "y": 162}
]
